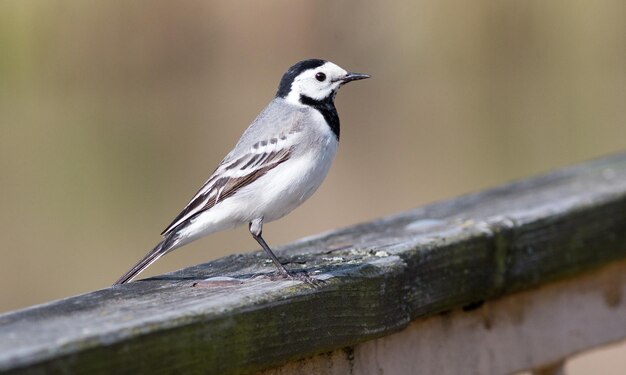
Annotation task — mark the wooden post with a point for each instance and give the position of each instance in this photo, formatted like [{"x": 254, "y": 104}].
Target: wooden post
[{"x": 380, "y": 278}]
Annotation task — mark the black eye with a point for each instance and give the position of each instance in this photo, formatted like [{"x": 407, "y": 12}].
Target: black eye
[{"x": 320, "y": 76}]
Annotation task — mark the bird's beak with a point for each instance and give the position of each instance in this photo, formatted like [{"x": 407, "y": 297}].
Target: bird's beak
[{"x": 354, "y": 77}]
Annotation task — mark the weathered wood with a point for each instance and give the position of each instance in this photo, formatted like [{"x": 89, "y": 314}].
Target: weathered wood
[
  {"x": 380, "y": 276},
  {"x": 535, "y": 329}
]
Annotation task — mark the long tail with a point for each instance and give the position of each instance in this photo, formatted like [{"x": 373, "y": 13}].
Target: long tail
[{"x": 161, "y": 249}]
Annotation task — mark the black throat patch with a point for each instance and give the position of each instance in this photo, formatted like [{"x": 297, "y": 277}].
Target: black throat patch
[{"x": 327, "y": 108}]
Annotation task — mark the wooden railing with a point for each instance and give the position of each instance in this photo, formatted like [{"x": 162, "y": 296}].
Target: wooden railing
[{"x": 518, "y": 277}]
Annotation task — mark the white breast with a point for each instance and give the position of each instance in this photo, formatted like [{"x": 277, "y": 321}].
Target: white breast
[{"x": 293, "y": 182}]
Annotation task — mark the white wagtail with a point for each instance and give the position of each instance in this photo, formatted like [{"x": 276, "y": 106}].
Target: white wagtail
[{"x": 279, "y": 161}]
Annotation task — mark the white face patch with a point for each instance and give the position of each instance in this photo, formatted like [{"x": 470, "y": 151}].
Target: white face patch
[{"x": 318, "y": 83}]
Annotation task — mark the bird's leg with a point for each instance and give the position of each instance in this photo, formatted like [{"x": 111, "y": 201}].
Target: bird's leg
[{"x": 256, "y": 227}]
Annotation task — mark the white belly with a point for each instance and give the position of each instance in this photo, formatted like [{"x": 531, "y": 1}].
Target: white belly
[
  {"x": 271, "y": 197},
  {"x": 290, "y": 184}
]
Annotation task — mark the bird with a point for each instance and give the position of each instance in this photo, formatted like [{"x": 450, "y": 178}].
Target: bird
[{"x": 278, "y": 163}]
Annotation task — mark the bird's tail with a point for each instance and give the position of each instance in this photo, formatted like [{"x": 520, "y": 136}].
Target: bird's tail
[{"x": 161, "y": 249}]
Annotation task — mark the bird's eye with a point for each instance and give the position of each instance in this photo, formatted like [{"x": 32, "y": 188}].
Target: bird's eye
[{"x": 320, "y": 76}]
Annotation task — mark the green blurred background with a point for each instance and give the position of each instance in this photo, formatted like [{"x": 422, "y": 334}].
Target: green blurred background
[{"x": 113, "y": 113}]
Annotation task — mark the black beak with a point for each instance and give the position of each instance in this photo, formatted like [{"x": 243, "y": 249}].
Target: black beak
[{"x": 354, "y": 77}]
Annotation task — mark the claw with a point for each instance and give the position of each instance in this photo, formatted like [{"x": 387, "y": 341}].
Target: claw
[{"x": 303, "y": 278}]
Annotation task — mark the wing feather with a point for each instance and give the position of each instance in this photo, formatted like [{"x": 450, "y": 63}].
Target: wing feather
[{"x": 228, "y": 179}]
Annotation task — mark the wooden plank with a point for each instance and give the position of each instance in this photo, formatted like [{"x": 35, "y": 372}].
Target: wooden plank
[
  {"x": 380, "y": 276},
  {"x": 534, "y": 329}
]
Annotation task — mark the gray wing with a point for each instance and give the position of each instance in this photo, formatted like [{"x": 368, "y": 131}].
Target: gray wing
[
  {"x": 278, "y": 119},
  {"x": 267, "y": 143}
]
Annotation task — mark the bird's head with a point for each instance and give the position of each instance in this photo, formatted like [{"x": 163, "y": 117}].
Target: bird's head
[{"x": 314, "y": 80}]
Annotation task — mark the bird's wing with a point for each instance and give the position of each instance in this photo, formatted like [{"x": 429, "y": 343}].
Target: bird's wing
[{"x": 233, "y": 174}]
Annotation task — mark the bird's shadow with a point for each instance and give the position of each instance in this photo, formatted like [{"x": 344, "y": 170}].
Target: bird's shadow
[{"x": 319, "y": 273}]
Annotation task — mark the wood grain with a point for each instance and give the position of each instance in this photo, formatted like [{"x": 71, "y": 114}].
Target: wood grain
[{"x": 379, "y": 276}]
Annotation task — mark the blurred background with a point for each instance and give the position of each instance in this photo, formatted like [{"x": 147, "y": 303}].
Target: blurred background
[{"x": 113, "y": 113}]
